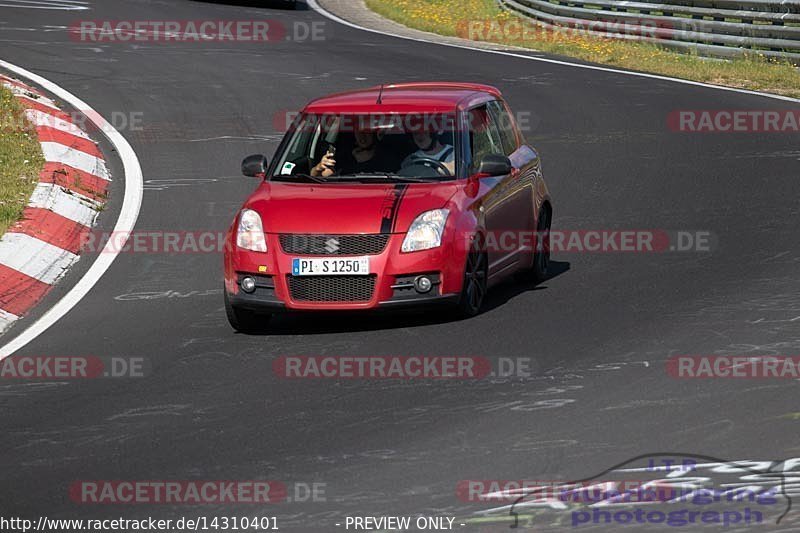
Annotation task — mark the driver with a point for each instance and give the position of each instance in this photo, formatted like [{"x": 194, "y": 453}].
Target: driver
[{"x": 430, "y": 147}]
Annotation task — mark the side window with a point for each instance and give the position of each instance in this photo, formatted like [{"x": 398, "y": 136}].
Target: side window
[
  {"x": 505, "y": 127},
  {"x": 483, "y": 136}
]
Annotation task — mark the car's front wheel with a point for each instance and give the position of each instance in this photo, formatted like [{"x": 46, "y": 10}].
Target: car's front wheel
[
  {"x": 245, "y": 321},
  {"x": 476, "y": 277},
  {"x": 541, "y": 259}
]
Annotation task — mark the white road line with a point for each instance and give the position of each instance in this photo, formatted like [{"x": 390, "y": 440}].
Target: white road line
[
  {"x": 131, "y": 204},
  {"x": 67, "y": 204},
  {"x": 316, "y": 7},
  {"x": 63, "y": 5},
  {"x": 46, "y": 120},
  {"x": 59, "y": 153},
  {"x": 67, "y": 2},
  {"x": 6, "y": 319},
  {"x": 34, "y": 257}
]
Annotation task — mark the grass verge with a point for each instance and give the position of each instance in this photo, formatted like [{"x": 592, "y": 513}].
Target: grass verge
[
  {"x": 21, "y": 159},
  {"x": 450, "y": 17}
]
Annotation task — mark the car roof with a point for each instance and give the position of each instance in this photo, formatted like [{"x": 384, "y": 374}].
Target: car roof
[{"x": 418, "y": 97}]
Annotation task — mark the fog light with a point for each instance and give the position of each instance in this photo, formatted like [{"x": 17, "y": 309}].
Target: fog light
[
  {"x": 248, "y": 285},
  {"x": 423, "y": 284}
]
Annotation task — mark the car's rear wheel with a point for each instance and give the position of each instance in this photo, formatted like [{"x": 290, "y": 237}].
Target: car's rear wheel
[
  {"x": 476, "y": 276},
  {"x": 541, "y": 259},
  {"x": 245, "y": 321}
]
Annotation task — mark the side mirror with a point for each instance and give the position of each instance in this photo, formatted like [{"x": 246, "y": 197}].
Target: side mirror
[
  {"x": 255, "y": 166},
  {"x": 495, "y": 165}
]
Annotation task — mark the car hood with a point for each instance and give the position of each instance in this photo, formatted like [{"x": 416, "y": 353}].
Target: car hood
[{"x": 338, "y": 208}]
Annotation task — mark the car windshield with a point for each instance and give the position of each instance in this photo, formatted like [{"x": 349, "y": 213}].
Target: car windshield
[{"x": 396, "y": 147}]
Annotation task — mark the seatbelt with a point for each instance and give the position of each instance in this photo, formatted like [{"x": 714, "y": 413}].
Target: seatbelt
[{"x": 445, "y": 155}]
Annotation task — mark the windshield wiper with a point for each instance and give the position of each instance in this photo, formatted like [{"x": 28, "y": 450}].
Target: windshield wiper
[
  {"x": 387, "y": 176},
  {"x": 309, "y": 177}
]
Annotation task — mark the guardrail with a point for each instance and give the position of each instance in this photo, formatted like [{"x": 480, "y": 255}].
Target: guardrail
[{"x": 717, "y": 28}]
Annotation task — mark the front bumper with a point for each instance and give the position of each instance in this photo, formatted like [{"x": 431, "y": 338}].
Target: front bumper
[{"x": 393, "y": 272}]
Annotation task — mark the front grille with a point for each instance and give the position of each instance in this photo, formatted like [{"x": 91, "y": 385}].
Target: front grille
[
  {"x": 334, "y": 244},
  {"x": 331, "y": 288}
]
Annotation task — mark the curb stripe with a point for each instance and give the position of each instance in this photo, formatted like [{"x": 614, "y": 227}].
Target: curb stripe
[
  {"x": 75, "y": 180},
  {"x": 40, "y": 119},
  {"x": 126, "y": 221},
  {"x": 58, "y": 153},
  {"x": 33, "y": 104},
  {"x": 52, "y": 135},
  {"x": 51, "y": 228},
  {"x": 23, "y": 91},
  {"x": 69, "y": 205},
  {"x": 43, "y": 102},
  {"x": 6, "y": 319},
  {"x": 11, "y": 81},
  {"x": 34, "y": 257},
  {"x": 37, "y": 250},
  {"x": 24, "y": 291}
]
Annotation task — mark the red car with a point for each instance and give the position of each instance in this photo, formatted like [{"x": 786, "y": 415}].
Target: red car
[{"x": 400, "y": 195}]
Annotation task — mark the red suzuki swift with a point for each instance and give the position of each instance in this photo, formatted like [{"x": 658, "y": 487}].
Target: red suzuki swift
[{"x": 401, "y": 195}]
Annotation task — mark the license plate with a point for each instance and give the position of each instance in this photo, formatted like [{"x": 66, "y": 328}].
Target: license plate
[{"x": 353, "y": 266}]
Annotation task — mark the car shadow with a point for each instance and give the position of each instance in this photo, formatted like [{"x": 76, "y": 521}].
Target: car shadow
[
  {"x": 500, "y": 294},
  {"x": 322, "y": 323}
]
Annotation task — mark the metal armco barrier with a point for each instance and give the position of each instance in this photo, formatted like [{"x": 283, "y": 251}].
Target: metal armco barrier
[{"x": 718, "y": 28}]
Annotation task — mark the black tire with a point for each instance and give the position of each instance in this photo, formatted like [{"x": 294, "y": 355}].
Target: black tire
[
  {"x": 541, "y": 258},
  {"x": 476, "y": 277},
  {"x": 245, "y": 321}
]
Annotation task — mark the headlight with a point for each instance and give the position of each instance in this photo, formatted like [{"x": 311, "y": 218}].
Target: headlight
[
  {"x": 250, "y": 234},
  {"x": 426, "y": 231}
]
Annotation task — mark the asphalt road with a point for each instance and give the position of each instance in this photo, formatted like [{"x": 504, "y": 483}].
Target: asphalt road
[{"x": 211, "y": 407}]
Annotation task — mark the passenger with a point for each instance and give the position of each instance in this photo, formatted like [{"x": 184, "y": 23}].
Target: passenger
[{"x": 430, "y": 147}]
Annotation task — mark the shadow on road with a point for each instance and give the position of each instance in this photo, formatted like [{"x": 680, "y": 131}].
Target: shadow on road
[{"x": 501, "y": 294}]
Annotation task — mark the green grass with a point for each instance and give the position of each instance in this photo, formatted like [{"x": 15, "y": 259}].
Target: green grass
[
  {"x": 451, "y": 17},
  {"x": 21, "y": 160}
]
